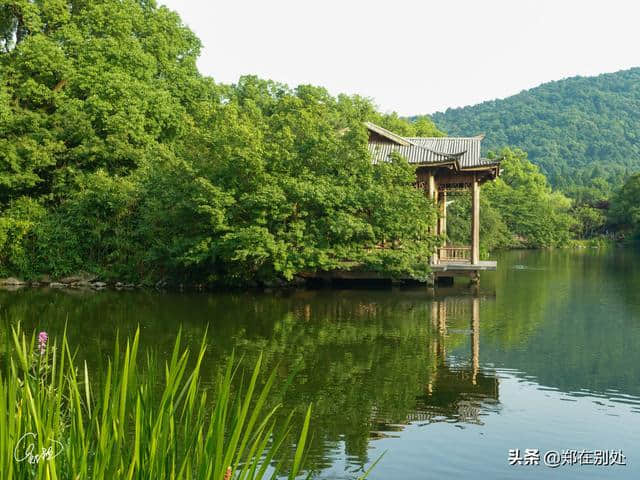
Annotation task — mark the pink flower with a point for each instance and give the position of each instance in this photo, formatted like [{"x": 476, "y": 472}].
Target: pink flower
[{"x": 42, "y": 342}]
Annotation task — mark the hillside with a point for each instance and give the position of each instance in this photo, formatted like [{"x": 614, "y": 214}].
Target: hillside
[{"x": 575, "y": 129}]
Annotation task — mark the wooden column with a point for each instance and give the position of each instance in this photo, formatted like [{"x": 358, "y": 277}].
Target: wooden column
[
  {"x": 431, "y": 186},
  {"x": 442, "y": 221},
  {"x": 475, "y": 221},
  {"x": 433, "y": 195}
]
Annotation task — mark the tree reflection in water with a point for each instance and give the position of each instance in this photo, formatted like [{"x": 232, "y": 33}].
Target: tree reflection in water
[
  {"x": 378, "y": 360},
  {"x": 369, "y": 361}
]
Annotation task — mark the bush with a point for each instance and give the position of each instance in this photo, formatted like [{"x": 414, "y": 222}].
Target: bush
[{"x": 17, "y": 233}]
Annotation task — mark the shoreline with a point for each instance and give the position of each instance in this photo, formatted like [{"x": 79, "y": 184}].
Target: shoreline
[{"x": 85, "y": 281}]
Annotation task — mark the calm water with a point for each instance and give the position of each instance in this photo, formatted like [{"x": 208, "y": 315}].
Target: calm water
[{"x": 545, "y": 356}]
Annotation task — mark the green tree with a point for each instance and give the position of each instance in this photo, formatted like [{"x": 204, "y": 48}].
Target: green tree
[
  {"x": 625, "y": 208},
  {"x": 418, "y": 126},
  {"x": 87, "y": 86},
  {"x": 589, "y": 221},
  {"x": 118, "y": 157},
  {"x": 518, "y": 209},
  {"x": 535, "y": 214}
]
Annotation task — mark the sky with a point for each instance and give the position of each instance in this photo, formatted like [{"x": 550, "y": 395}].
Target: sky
[{"x": 414, "y": 57}]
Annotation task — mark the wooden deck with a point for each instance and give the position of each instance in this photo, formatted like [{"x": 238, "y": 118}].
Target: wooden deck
[
  {"x": 462, "y": 268},
  {"x": 448, "y": 268}
]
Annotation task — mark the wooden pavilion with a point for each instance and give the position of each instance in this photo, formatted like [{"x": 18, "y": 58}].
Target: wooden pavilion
[{"x": 444, "y": 165}]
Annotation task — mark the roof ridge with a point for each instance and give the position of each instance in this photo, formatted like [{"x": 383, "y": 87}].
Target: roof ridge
[
  {"x": 442, "y": 154},
  {"x": 388, "y": 134},
  {"x": 476, "y": 137}
]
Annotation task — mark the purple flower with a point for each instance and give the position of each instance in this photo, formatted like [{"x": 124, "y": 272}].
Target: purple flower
[{"x": 42, "y": 342}]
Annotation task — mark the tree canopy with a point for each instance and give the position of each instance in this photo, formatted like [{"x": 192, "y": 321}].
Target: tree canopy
[
  {"x": 117, "y": 156},
  {"x": 625, "y": 208}
]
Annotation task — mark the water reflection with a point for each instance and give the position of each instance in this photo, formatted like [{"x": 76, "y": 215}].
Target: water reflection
[
  {"x": 457, "y": 390},
  {"x": 543, "y": 353},
  {"x": 370, "y": 362}
]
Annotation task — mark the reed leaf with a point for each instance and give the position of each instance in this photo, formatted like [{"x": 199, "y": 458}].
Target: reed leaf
[{"x": 140, "y": 421}]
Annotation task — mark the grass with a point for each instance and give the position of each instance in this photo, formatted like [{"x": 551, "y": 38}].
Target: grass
[{"x": 127, "y": 427}]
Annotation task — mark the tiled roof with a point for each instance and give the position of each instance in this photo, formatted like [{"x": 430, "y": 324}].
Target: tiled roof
[
  {"x": 380, "y": 152},
  {"x": 468, "y": 148},
  {"x": 462, "y": 151}
]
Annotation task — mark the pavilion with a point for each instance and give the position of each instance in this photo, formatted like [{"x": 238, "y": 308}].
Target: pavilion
[{"x": 444, "y": 165}]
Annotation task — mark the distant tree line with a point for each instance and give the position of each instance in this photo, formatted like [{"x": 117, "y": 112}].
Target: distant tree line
[
  {"x": 576, "y": 130},
  {"x": 584, "y": 135}
]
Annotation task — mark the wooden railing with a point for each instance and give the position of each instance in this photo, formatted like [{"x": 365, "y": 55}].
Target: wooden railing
[{"x": 454, "y": 254}]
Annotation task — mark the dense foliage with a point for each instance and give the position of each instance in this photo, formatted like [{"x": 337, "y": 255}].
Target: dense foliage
[
  {"x": 118, "y": 157},
  {"x": 625, "y": 208},
  {"x": 576, "y": 130},
  {"x": 419, "y": 126}
]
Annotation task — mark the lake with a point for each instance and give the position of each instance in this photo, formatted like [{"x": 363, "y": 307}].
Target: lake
[{"x": 545, "y": 355}]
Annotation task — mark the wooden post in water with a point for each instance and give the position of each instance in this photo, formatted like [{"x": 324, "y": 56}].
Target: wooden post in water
[
  {"x": 442, "y": 317},
  {"x": 475, "y": 338},
  {"x": 475, "y": 222},
  {"x": 434, "y": 313}
]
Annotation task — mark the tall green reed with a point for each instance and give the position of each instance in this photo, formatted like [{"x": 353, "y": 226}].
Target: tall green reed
[{"x": 126, "y": 427}]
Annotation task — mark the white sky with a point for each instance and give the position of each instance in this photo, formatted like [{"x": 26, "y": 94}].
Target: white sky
[{"x": 414, "y": 57}]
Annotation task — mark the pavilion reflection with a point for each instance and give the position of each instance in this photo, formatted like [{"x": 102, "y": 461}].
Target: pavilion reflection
[{"x": 458, "y": 390}]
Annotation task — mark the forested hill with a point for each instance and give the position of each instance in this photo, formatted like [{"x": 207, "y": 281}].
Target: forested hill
[{"x": 575, "y": 129}]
